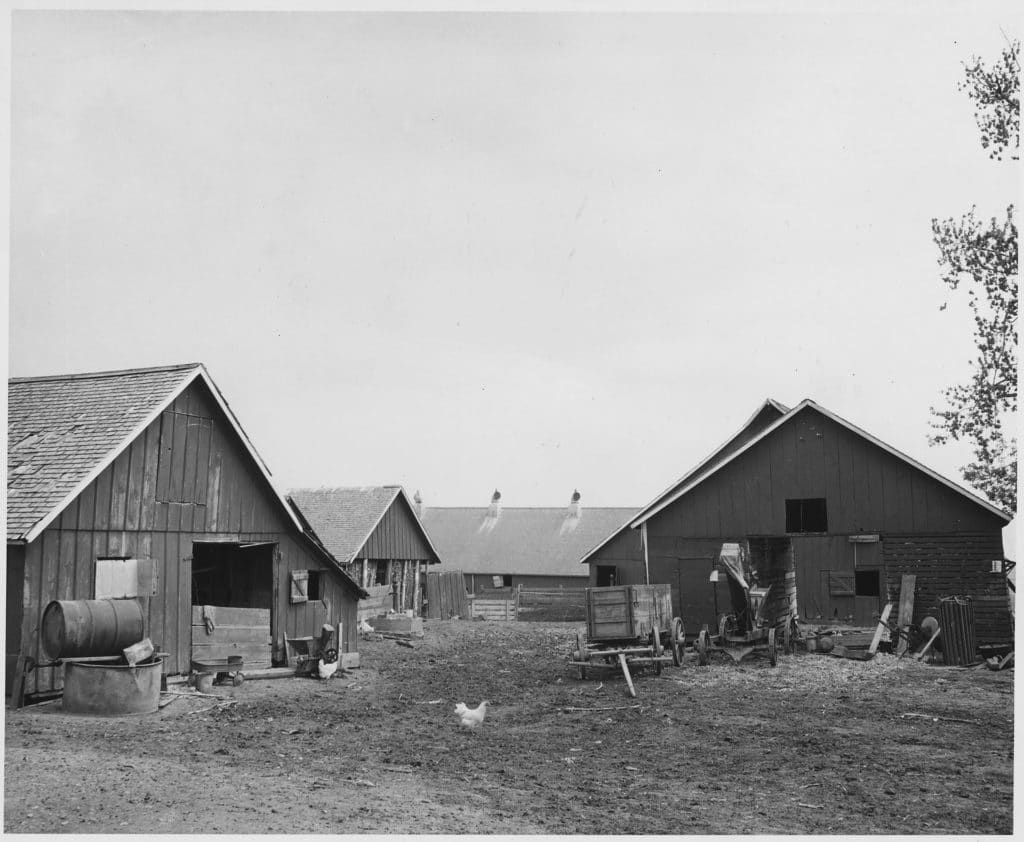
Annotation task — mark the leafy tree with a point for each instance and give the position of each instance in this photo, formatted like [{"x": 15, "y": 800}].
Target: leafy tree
[{"x": 984, "y": 257}]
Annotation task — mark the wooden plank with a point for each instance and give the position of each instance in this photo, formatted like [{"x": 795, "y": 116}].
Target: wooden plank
[
  {"x": 119, "y": 489},
  {"x": 231, "y": 616},
  {"x": 103, "y": 484},
  {"x": 179, "y": 435},
  {"x": 906, "y": 610},
  {"x": 881, "y": 628},
  {"x": 203, "y": 461}
]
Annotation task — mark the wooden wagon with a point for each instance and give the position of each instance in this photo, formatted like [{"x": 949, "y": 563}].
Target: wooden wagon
[{"x": 629, "y": 625}]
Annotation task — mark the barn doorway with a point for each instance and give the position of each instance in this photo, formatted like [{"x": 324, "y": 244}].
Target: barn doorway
[{"x": 232, "y": 599}]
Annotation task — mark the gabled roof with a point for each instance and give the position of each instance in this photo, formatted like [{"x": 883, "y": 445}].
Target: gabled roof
[
  {"x": 63, "y": 431},
  {"x": 520, "y": 541},
  {"x": 698, "y": 475},
  {"x": 767, "y": 413},
  {"x": 346, "y": 517}
]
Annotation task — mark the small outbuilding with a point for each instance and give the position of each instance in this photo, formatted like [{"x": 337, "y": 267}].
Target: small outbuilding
[
  {"x": 375, "y": 533},
  {"x": 498, "y": 547},
  {"x": 833, "y": 514},
  {"x": 141, "y": 484}
]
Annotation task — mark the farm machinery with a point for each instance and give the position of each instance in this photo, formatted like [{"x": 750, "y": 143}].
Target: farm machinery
[
  {"x": 629, "y": 626},
  {"x": 751, "y": 625}
]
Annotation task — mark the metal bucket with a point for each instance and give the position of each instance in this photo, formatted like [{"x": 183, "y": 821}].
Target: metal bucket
[
  {"x": 956, "y": 618},
  {"x": 80, "y": 628},
  {"x": 112, "y": 688}
]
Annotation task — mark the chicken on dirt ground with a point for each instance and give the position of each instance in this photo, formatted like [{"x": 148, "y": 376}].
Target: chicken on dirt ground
[
  {"x": 328, "y": 664},
  {"x": 471, "y": 717}
]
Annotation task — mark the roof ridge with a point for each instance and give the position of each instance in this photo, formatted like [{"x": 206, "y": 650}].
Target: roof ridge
[{"x": 99, "y": 375}]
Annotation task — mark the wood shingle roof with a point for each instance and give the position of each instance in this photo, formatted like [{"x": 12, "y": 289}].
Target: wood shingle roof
[
  {"x": 345, "y": 517},
  {"x": 61, "y": 429}
]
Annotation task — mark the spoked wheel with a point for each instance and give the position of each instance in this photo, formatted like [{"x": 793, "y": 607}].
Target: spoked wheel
[
  {"x": 702, "y": 648},
  {"x": 659, "y": 650},
  {"x": 581, "y": 655},
  {"x": 773, "y": 655},
  {"x": 723, "y": 626},
  {"x": 678, "y": 642}
]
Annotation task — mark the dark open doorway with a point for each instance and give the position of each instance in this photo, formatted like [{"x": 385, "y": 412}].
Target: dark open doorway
[{"x": 232, "y": 575}]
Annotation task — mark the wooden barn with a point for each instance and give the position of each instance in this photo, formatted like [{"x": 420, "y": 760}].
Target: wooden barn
[
  {"x": 375, "y": 533},
  {"x": 831, "y": 513},
  {"x": 498, "y": 547},
  {"x": 142, "y": 484}
]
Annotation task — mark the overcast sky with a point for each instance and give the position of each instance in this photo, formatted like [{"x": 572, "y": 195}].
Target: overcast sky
[{"x": 533, "y": 252}]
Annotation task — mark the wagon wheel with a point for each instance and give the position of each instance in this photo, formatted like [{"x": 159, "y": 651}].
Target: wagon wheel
[
  {"x": 581, "y": 653},
  {"x": 238, "y": 679},
  {"x": 656, "y": 641},
  {"x": 773, "y": 655},
  {"x": 702, "y": 648},
  {"x": 678, "y": 642},
  {"x": 723, "y": 624}
]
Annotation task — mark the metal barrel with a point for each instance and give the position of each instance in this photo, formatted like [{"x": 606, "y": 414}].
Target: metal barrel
[
  {"x": 956, "y": 617},
  {"x": 80, "y": 628}
]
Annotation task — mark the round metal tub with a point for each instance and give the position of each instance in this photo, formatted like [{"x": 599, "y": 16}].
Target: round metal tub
[{"x": 112, "y": 688}]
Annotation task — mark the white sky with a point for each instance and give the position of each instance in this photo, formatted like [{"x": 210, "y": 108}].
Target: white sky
[{"x": 534, "y": 252}]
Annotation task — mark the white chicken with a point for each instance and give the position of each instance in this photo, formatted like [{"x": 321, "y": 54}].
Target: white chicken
[
  {"x": 328, "y": 664},
  {"x": 365, "y": 627},
  {"x": 471, "y": 717}
]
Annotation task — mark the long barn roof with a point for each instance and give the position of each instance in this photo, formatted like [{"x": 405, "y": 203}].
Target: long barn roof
[{"x": 520, "y": 541}]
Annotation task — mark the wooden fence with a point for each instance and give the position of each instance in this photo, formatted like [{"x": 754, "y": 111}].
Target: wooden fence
[
  {"x": 446, "y": 596},
  {"x": 380, "y": 601},
  {"x": 551, "y": 604}
]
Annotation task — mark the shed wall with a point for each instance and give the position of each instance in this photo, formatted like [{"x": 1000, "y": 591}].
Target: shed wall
[
  {"x": 119, "y": 514},
  {"x": 397, "y": 536}
]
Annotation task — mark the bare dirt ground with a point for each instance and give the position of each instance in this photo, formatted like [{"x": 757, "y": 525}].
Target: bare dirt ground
[{"x": 817, "y": 745}]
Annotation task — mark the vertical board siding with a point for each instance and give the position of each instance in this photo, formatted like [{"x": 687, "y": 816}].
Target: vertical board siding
[
  {"x": 121, "y": 513},
  {"x": 866, "y": 488},
  {"x": 397, "y": 536}
]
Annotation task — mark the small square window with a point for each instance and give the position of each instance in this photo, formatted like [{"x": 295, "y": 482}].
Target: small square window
[
  {"x": 807, "y": 515},
  {"x": 868, "y": 583},
  {"x": 605, "y": 575},
  {"x": 117, "y": 578},
  {"x": 381, "y": 577}
]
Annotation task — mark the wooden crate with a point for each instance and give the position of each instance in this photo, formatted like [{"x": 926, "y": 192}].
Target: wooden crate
[{"x": 628, "y": 612}]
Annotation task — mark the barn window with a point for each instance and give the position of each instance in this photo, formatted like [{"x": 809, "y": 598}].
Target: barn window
[
  {"x": 121, "y": 577},
  {"x": 381, "y": 576},
  {"x": 867, "y": 583},
  {"x": 313, "y": 585},
  {"x": 807, "y": 515},
  {"x": 605, "y": 575}
]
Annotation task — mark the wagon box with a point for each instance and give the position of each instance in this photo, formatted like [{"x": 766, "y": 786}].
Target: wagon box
[{"x": 628, "y": 612}]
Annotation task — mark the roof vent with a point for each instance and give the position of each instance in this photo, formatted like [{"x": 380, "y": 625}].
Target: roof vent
[{"x": 495, "y": 508}]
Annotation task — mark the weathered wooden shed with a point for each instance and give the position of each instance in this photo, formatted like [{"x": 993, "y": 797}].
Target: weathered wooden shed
[
  {"x": 375, "y": 533},
  {"x": 496, "y": 546},
  {"x": 142, "y": 484},
  {"x": 843, "y": 513}
]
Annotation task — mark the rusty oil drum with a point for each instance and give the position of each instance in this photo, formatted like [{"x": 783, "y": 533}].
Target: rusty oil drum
[{"x": 82, "y": 628}]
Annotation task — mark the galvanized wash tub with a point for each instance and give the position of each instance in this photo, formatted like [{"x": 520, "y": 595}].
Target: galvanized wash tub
[{"x": 110, "y": 687}]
